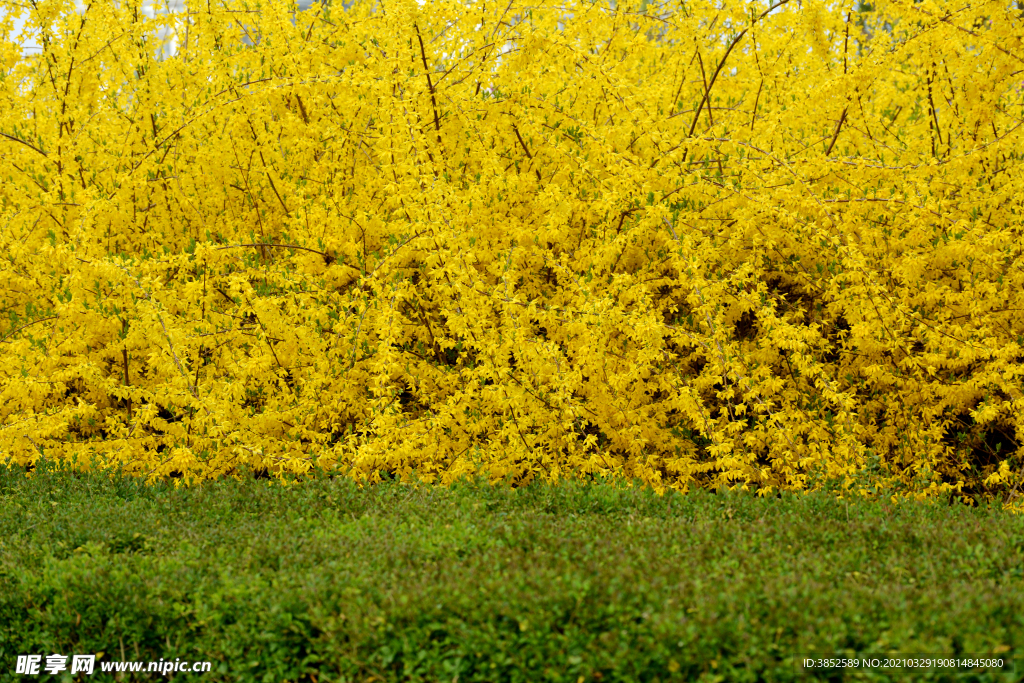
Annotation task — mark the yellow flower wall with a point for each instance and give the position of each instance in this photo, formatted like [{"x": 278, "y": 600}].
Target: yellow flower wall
[{"x": 699, "y": 245}]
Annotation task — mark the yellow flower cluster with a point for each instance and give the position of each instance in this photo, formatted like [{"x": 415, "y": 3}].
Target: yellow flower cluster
[{"x": 744, "y": 246}]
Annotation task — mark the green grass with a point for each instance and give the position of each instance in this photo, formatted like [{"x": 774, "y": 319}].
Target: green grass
[{"x": 324, "y": 581}]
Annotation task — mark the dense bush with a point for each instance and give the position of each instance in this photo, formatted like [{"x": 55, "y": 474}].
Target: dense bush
[
  {"x": 335, "y": 581},
  {"x": 746, "y": 246}
]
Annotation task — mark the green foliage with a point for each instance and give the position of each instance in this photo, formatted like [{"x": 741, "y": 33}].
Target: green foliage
[{"x": 325, "y": 579}]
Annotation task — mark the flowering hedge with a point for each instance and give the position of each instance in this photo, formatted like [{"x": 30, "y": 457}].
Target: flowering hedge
[{"x": 743, "y": 246}]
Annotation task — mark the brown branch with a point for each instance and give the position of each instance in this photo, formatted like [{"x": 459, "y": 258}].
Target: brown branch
[
  {"x": 274, "y": 187},
  {"x": 302, "y": 110},
  {"x": 707, "y": 91},
  {"x": 846, "y": 40},
  {"x": 433, "y": 98},
  {"x": 935, "y": 117},
  {"x": 27, "y": 144},
  {"x": 516, "y": 421},
  {"x": 27, "y": 325},
  {"x": 434, "y": 346},
  {"x": 721, "y": 64},
  {"x": 40, "y": 186},
  {"x": 528, "y": 155},
  {"x": 842, "y": 118},
  {"x": 266, "y": 171},
  {"x": 757, "y": 99},
  {"x": 124, "y": 359},
  {"x": 267, "y": 244},
  {"x": 266, "y": 333}
]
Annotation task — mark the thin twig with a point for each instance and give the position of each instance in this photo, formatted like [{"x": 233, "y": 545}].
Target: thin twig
[{"x": 52, "y": 317}]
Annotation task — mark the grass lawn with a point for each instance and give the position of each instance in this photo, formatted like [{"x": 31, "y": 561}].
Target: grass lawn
[{"x": 324, "y": 581}]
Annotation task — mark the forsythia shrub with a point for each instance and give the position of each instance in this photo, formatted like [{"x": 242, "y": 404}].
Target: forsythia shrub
[{"x": 749, "y": 245}]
